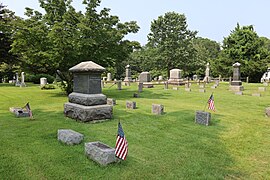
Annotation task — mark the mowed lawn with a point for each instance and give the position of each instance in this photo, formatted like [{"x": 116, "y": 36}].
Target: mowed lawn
[{"x": 170, "y": 146}]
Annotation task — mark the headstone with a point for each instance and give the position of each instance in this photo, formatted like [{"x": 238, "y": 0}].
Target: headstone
[
  {"x": 119, "y": 85},
  {"x": 202, "y": 90},
  {"x": 131, "y": 105},
  {"x": 157, "y": 109},
  {"x": 109, "y": 77},
  {"x": 19, "y": 112},
  {"x": 207, "y": 73},
  {"x": 256, "y": 94},
  {"x": 261, "y": 89},
  {"x": 267, "y": 112},
  {"x": 203, "y": 118},
  {"x": 166, "y": 85},
  {"x": 195, "y": 77},
  {"x": 43, "y": 81},
  {"x": 111, "y": 101},
  {"x": 236, "y": 84},
  {"x": 145, "y": 77},
  {"x": 239, "y": 93},
  {"x": 102, "y": 84},
  {"x": 100, "y": 153},
  {"x": 69, "y": 136},
  {"x": 17, "y": 83},
  {"x": 160, "y": 78},
  {"x": 187, "y": 89},
  {"x": 247, "y": 79},
  {"x": 22, "y": 80},
  {"x": 176, "y": 77},
  {"x": 86, "y": 102},
  {"x": 140, "y": 87},
  {"x": 230, "y": 80},
  {"x": 128, "y": 74},
  {"x": 175, "y": 88},
  {"x": 265, "y": 83}
]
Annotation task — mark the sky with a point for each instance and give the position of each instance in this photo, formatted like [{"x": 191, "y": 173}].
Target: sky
[{"x": 213, "y": 19}]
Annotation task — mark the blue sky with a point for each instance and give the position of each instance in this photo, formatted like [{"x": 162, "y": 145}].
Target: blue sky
[{"x": 212, "y": 18}]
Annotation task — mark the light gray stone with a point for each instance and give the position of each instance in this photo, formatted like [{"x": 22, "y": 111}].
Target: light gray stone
[
  {"x": 207, "y": 78},
  {"x": 256, "y": 94},
  {"x": 188, "y": 89},
  {"x": 176, "y": 77},
  {"x": 22, "y": 80},
  {"x": 237, "y": 88},
  {"x": 265, "y": 83},
  {"x": 157, "y": 109},
  {"x": 100, "y": 153},
  {"x": 236, "y": 83},
  {"x": 175, "y": 88},
  {"x": 166, "y": 85},
  {"x": 19, "y": 112},
  {"x": 69, "y": 136},
  {"x": 88, "y": 113},
  {"x": 87, "y": 99},
  {"x": 128, "y": 74},
  {"x": 140, "y": 87},
  {"x": 148, "y": 85},
  {"x": 109, "y": 77},
  {"x": 261, "y": 89},
  {"x": 202, "y": 90},
  {"x": 119, "y": 85},
  {"x": 267, "y": 112},
  {"x": 43, "y": 81},
  {"x": 17, "y": 82},
  {"x": 145, "y": 77},
  {"x": 111, "y": 101},
  {"x": 87, "y": 66},
  {"x": 203, "y": 118},
  {"x": 131, "y": 105}
]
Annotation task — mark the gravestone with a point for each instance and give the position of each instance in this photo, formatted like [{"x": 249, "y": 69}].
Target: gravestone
[
  {"x": 69, "y": 136},
  {"x": 86, "y": 102},
  {"x": 131, "y": 105},
  {"x": 236, "y": 84},
  {"x": 22, "y": 80},
  {"x": 140, "y": 87},
  {"x": 203, "y": 118},
  {"x": 43, "y": 81},
  {"x": 166, "y": 85},
  {"x": 102, "y": 84},
  {"x": 265, "y": 83},
  {"x": 17, "y": 82},
  {"x": 256, "y": 94},
  {"x": 145, "y": 78},
  {"x": 100, "y": 153},
  {"x": 261, "y": 89},
  {"x": 135, "y": 95},
  {"x": 239, "y": 93},
  {"x": 160, "y": 78},
  {"x": 176, "y": 77},
  {"x": 111, "y": 101},
  {"x": 207, "y": 73},
  {"x": 128, "y": 74},
  {"x": 109, "y": 77},
  {"x": 247, "y": 79},
  {"x": 202, "y": 90},
  {"x": 119, "y": 85},
  {"x": 157, "y": 109},
  {"x": 19, "y": 112},
  {"x": 175, "y": 88},
  {"x": 267, "y": 112}
]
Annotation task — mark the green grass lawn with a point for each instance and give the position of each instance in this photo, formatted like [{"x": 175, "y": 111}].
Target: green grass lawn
[{"x": 170, "y": 146}]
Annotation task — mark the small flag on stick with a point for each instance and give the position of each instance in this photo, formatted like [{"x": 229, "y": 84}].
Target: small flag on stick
[
  {"x": 211, "y": 104},
  {"x": 27, "y": 106},
  {"x": 121, "y": 148}
]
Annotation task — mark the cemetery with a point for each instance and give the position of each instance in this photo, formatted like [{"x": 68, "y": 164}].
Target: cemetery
[{"x": 80, "y": 100}]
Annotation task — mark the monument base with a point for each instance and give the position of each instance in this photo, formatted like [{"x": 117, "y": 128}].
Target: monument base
[
  {"x": 236, "y": 88},
  {"x": 176, "y": 81},
  {"x": 236, "y": 83},
  {"x": 87, "y": 99},
  {"x": 88, "y": 113}
]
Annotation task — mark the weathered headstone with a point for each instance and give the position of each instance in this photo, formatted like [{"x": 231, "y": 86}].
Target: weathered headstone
[
  {"x": 140, "y": 87},
  {"x": 207, "y": 73},
  {"x": 43, "y": 81},
  {"x": 267, "y": 112},
  {"x": 166, "y": 85},
  {"x": 19, "y": 112},
  {"x": 111, "y": 101},
  {"x": 265, "y": 83},
  {"x": 256, "y": 94},
  {"x": 236, "y": 84},
  {"x": 175, "y": 88},
  {"x": 247, "y": 79},
  {"x": 160, "y": 78},
  {"x": 203, "y": 118},
  {"x": 102, "y": 84},
  {"x": 261, "y": 89},
  {"x": 119, "y": 85},
  {"x": 157, "y": 109},
  {"x": 69, "y": 136},
  {"x": 22, "y": 80},
  {"x": 100, "y": 153},
  {"x": 109, "y": 77},
  {"x": 17, "y": 83},
  {"x": 86, "y": 102},
  {"x": 176, "y": 77},
  {"x": 128, "y": 74},
  {"x": 131, "y": 105}
]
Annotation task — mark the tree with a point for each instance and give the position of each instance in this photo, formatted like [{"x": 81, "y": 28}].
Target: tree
[
  {"x": 170, "y": 36},
  {"x": 245, "y": 46}
]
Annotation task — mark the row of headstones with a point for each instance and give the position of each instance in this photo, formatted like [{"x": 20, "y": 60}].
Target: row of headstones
[{"x": 97, "y": 151}]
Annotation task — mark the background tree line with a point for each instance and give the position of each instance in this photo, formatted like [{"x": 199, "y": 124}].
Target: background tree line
[{"x": 63, "y": 37}]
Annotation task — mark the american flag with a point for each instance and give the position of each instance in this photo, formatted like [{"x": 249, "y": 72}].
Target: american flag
[
  {"x": 27, "y": 106},
  {"x": 121, "y": 148},
  {"x": 211, "y": 104}
]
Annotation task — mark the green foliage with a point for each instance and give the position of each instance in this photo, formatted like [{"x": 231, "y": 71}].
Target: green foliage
[
  {"x": 47, "y": 87},
  {"x": 171, "y": 146},
  {"x": 170, "y": 36},
  {"x": 35, "y": 78}
]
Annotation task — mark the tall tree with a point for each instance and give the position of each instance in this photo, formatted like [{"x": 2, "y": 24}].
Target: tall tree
[
  {"x": 169, "y": 34},
  {"x": 245, "y": 46}
]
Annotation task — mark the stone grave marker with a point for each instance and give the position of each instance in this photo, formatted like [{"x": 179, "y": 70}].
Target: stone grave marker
[
  {"x": 109, "y": 77},
  {"x": 131, "y": 105},
  {"x": 239, "y": 93},
  {"x": 69, "y": 136},
  {"x": 111, "y": 101},
  {"x": 166, "y": 85},
  {"x": 43, "y": 81},
  {"x": 203, "y": 118},
  {"x": 128, "y": 74},
  {"x": 267, "y": 112},
  {"x": 236, "y": 84},
  {"x": 22, "y": 80},
  {"x": 261, "y": 89},
  {"x": 202, "y": 90},
  {"x": 119, "y": 85},
  {"x": 157, "y": 109},
  {"x": 207, "y": 74},
  {"x": 17, "y": 82},
  {"x": 140, "y": 87},
  {"x": 176, "y": 77},
  {"x": 256, "y": 94}
]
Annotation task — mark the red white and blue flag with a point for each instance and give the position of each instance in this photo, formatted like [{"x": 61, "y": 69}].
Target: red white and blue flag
[
  {"x": 27, "y": 106},
  {"x": 121, "y": 148},
  {"x": 211, "y": 104}
]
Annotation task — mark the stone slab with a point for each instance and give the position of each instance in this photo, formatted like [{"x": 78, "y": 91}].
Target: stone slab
[
  {"x": 100, "y": 153},
  {"x": 87, "y": 99},
  {"x": 157, "y": 109},
  {"x": 261, "y": 89},
  {"x": 175, "y": 88},
  {"x": 256, "y": 94},
  {"x": 236, "y": 88},
  {"x": 203, "y": 118},
  {"x": 19, "y": 112},
  {"x": 131, "y": 105},
  {"x": 88, "y": 113},
  {"x": 188, "y": 89},
  {"x": 267, "y": 112},
  {"x": 69, "y": 136}
]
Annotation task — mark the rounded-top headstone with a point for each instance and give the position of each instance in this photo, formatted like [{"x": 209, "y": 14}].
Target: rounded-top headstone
[
  {"x": 237, "y": 64},
  {"x": 87, "y": 66}
]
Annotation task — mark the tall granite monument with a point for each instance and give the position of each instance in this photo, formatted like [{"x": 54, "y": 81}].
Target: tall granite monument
[
  {"x": 236, "y": 84},
  {"x": 86, "y": 102},
  {"x": 128, "y": 74},
  {"x": 176, "y": 77}
]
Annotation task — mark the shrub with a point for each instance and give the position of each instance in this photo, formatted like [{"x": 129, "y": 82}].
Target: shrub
[
  {"x": 36, "y": 78},
  {"x": 48, "y": 86}
]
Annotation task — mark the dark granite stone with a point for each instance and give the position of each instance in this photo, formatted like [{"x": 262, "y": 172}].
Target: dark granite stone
[{"x": 203, "y": 118}]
